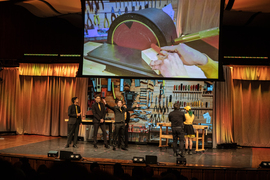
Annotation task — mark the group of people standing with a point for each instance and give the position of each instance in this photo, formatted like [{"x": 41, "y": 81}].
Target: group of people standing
[{"x": 181, "y": 124}]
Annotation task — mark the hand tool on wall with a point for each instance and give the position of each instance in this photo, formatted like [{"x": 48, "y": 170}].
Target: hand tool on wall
[
  {"x": 101, "y": 1},
  {"x": 167, "y": 105},
  {"x": 96, "y": 18},
  {"x": 121, "y": 85},
  {"x": 137, "y": 83},
  {"x": 109, "y": 85},
  {"x": 158, "y": 118},
  {"x": 94, "y": 84},
  {"x": 120, "y": 3},
  {"x": 103, "y": 92},
  {"x": 152, "y": 98},
  {"x": 164, "y": 107},
  {"x": 106, "y": 21},
  {"x": 142, "y": 103},
  {"x": 170, "y": 101},
  {"x": 148, "y": 112},
  {"x": 149, "y": 99},
  {"x": 159, "y": 104},
  {"x": 134, "y": 119},
  {"x": 97, "y": 4},
  {"x": 143, "y": 116},
  {"x": 136, "y": 112},
  {"x": 156, "y": 108},
  {"x": 113, "y": 90},
  {"x": 98, "y": 84}
]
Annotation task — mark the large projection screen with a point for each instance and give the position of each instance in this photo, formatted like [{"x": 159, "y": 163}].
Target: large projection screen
[{"x": 167, "y": 39}]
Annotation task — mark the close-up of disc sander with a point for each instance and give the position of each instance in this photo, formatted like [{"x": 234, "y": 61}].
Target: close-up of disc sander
[{"x": 139, "y": 29}]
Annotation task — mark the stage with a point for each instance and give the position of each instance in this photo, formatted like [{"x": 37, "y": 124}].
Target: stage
[{"x": 39, "y": 146}]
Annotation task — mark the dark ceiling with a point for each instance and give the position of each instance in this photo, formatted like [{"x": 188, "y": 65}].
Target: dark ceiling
[{"x": 55, "y": 26}]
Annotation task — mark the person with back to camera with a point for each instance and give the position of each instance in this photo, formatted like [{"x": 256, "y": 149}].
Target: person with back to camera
[
  {"x": 189, "y": 130},
  {"x": 177, "y": 118}
]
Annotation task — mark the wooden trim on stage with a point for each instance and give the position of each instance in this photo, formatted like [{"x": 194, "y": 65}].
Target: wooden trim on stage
[{"x": 199, "y": 172}]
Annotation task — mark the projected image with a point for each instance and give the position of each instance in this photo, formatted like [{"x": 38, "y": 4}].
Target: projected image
[{"x": 162, "y": 39}]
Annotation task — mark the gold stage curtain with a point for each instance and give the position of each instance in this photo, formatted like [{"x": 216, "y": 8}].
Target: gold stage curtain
[
  {"x": 38, "y": 104},
  {"x": 64, "y": 70},
  {"x": 242, "y": 107}
]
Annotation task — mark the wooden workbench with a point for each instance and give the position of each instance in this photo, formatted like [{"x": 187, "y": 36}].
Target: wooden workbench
[{"x": 167, "y": 136}]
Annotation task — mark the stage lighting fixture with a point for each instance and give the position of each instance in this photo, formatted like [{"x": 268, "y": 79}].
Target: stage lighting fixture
[
  {"x": 75, "y": 157},
  {"x": 138, "y": 160},
  {"x": 181, "y": 161},
  {"x": 265, "y": 164},
  {"x": 53, "y": 154}
]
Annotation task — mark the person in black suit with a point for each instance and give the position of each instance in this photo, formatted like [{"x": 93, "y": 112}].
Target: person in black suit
[
  {"x": 126, "y": 128},
  {"x": 98, "y": 110},
  {"x": 74, "y": 113},
  {"x": 120, "y": 117},
  {"x": 177, "y": 119}
]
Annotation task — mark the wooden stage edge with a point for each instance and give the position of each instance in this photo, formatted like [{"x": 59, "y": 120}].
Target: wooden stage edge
[
  {"x": 107, "y": 165},
  {"x": 104, "y": 161}
]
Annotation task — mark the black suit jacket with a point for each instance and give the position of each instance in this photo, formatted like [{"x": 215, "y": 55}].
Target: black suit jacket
[
  {"x": 98, "y": 114},
  {"x": 72, "y": 114},
  {"x": 119, "y": 115}
]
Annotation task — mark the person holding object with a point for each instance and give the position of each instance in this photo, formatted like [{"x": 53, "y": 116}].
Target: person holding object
[
  {"x": 98, "y": 110},
  {"x": 171, "y": 64},
  {"x": 177, "y": 118},
  {"x": 119, "y": 117},
  {"x": 189, "y": 130},
  {"x": 74, "y": 113}
]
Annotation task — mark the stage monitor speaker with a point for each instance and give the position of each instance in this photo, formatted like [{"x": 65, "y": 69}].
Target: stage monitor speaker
[
  {"x": 53, "y": 154},
  {"x": 66, "y": 155},
  {"x": 75, "y": 157},
  {"x": 265, "y": 164},
  {"x": 138, "y": 160},
  {"x": 181, "y": 161},
  {"x": 150, "y": 159}
]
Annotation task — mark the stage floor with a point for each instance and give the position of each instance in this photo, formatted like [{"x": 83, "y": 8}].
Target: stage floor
[{"x": 34, "y": 145}]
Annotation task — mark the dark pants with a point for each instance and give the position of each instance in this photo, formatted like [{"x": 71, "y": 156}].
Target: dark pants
[
  {"x": 103, "y": 128},
  {"x": 178, "y": 134},
  {"x": 73, "y": 129},
  {"x": 119, "y": 131},
  {"x": 126, "y": 137}
]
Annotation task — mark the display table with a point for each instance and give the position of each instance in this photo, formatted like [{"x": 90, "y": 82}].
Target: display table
[
  {"x": 89, "y": 121},
  {"x": 167, "y": 136}
]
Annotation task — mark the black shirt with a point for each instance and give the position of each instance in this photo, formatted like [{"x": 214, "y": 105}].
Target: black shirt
[{"x": 177, "y": 118}]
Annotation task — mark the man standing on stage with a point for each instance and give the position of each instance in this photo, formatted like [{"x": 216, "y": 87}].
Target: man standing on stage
[
  {"x": 120, "y": 113},
  {"x": 126, "y": 126},
  {"x": 74, "y": 113},
  {"x": 98, "y": 110},
  {"x": 177, "y": 119}
]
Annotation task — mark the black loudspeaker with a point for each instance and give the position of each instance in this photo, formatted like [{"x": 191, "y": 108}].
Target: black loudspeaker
[
  {"x": 66, "y": 155},
  {"x": 181, "y": 161},
  {"x": 150, "y": 159},
  {"x": 53, "y": 154}
]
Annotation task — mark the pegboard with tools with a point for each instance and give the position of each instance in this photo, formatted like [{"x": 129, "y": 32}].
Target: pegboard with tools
[{"x": 156, "y": 99}]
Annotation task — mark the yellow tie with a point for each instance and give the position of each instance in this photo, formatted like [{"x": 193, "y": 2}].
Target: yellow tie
[
  {"x": 76, "y": 110},
  {"x": 125, "y": 115},
  {"x": 99, "y": 107}
]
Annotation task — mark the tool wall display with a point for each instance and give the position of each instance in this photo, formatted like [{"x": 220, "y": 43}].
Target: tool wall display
[{"x": 157, "y": 103}]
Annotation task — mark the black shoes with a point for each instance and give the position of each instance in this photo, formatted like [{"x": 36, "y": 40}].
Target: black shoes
[
  {"x": 95, "y": 146},
  {"x": 114, "y": 148},
  {"x": 125, "y": 149},
  {"x": 190, "y": 152},
  {"x": 66, "y": 146},
  {"x": 75, "y": 146},
  {"x": 106, "y": 146},
  {"x": 181, "y": 154}
]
